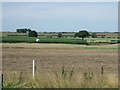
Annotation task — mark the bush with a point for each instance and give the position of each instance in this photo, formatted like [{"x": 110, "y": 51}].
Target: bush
[
  {"x": 94, "y": 35},
  {"x": 32, "y": 34},
  {"x": 59, "y": 34}
]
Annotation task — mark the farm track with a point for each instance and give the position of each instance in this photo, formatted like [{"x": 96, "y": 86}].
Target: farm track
[{"x": 51, "y": 57}]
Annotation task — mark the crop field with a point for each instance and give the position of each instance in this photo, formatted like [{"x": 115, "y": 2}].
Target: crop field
[
  {"x": 87, "y": 41},
  {"x": 60, "y": 65},
  {"x": 42, "y": 40}
]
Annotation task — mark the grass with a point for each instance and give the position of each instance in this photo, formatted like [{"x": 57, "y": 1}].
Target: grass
[
  {"x": 102, "y": 39},
  {"x": 16, "y": 39},
  {"x": 42, "y": 40},
  {"x": 97, "y": 48},
  {"x": 62, "y": 79},
  {"x": 65, "y": 76}
]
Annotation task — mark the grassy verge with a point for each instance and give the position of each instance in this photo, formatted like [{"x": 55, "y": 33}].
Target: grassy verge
[{"x": 62, "y": 79}]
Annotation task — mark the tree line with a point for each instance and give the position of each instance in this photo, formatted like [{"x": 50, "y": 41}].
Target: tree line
[
  {"x": 81, "y": 34},
  {"x": 31, "y": 33}
]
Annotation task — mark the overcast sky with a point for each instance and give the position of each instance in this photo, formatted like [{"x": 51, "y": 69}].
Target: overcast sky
[{"x": 60, "y": 16}]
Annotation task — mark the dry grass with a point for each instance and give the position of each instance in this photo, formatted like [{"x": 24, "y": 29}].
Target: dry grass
[
  {"x": 52, "y": 56},
  {"x": 42, "y": 45},
  {"x": 49, "y": 58},
  {"x": 17, "y": 79}
]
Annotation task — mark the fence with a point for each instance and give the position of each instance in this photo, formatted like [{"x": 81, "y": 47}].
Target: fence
[{"x": 1, "y": 81}]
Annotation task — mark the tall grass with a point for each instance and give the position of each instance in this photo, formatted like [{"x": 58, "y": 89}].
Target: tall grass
[{"x": 62, "y": 79}]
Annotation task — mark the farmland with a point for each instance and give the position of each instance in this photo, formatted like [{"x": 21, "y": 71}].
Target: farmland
[
  {"x": 61, "y": 44},
  {"x": 42, "y": 40},
  {"x": 92, "y": 62},
  {"x": 50, "y": 59},
  {"x": 87, "y": 41}
]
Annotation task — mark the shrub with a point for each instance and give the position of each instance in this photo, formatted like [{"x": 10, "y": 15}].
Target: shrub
[
  {"x": 32, "y": 34},
  {"x": 59, "y": 34},
  {"x": 94, "y": 35}
]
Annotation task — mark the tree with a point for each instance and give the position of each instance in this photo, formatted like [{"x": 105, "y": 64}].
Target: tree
[
  {"x": 24, "y": 30},
  {"x": 32, "y": 34},
  {"x": 82, "y": 34},
  {"x": 94, "y": 35},
  {"x": 29, "y": 30},
  {"x": 59, "y": 34}
]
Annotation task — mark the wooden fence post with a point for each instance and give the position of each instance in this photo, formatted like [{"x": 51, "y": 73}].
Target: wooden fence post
[
  {"x": 1, "y": 81},
  {"x": 102, "y": 70}
]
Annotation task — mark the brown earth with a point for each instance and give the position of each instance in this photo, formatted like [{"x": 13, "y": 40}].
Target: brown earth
[{"x": 51, "y": 57}]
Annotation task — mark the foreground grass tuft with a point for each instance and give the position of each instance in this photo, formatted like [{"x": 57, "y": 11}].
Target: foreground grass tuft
[{"x": 63, "y": 79}]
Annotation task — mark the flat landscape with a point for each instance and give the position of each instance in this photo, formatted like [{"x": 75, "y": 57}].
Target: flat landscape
[
  {"x": 59, "y": 45},
  {"x": 51, "y": 57},
  {"x": 83, "y": 63}
]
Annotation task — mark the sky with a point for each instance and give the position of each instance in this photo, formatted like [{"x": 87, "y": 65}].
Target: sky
[{"x": 60, "y": 16}]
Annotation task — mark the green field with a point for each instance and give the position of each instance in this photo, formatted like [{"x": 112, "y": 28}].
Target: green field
[
  {"x": 16, "y": 39},
  {"x": 102, "y": 39},
  {"x": 42, "y": 40}
]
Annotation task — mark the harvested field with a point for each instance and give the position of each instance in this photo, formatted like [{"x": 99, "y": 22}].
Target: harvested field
[
  {"x": 51, "y": 57},
  {"x": 60, "y": 65}
]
